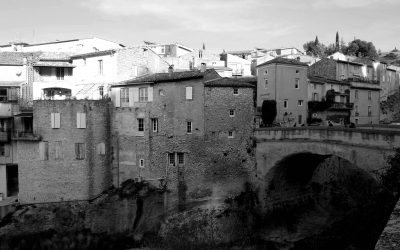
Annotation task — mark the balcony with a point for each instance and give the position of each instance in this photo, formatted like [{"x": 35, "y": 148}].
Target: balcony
[
  {"x": 362, "y": 79},
  {"x": 5, "y": 136},
  {"x": 316, "y": 106},
  {"x": 25, "y": 135}
]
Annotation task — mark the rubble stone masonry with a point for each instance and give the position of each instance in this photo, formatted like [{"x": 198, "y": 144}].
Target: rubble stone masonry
[{"x": 63, "y": 177}]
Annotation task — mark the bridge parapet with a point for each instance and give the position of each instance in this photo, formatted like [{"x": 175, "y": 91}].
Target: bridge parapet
[{"x": 375, "y": 138}]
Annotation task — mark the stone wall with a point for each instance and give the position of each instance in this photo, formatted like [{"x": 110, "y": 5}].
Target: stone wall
[
  {"x": 62, "y": 176},
  {"x": 324, "y": 68}
]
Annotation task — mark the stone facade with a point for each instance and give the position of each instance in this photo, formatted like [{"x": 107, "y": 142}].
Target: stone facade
[
  {"x": 188, "y": 161},
  {"x": 49, "y": 170},
  {"x": 324, "y": 68}
]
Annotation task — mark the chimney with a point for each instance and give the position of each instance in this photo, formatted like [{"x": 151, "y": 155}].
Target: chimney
[
  {"x": 171, "y": 69},
  {"x": 203, "y": 67}
]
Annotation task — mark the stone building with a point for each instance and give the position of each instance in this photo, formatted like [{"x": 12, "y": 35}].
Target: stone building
[
  {"x": 68, "y": 155},
  {"x": 363, "y": 79},
  {"x": 185, "y": 130},
  {"x": 285, "y": 81}
]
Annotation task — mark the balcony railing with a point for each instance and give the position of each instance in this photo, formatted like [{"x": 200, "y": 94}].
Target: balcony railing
[
  {"x": 361, "y": 79},
  {"x": 25, "y": 135},
  {"x": 324, "y": 105}
]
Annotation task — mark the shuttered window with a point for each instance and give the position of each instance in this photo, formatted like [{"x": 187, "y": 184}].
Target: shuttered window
[
  {"x": 58, "y": 150},
  {"x": 189, "y": 93},
  {"x": 101, "y": 148},
  {"x": 81, "y": 120},
  {"x": 44, "y": 150},
  {"x": 55, "y": 120},
  {"x": 80, "y": 151}
]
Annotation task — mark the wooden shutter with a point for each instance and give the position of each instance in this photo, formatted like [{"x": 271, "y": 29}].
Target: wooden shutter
[
  {"x": 57, "y": 120},
  {"x": 135, "y": 94},
  {"x": 189, "y": 93},
  {"x": 116, "y": 96},
  {"x": 52, "y": 120},
  {"x": 83, "y": 120},
  {"x": 150, "y": 94},
  {"x": 131, "y": 97},
  {"x": 78, "y": 120}
]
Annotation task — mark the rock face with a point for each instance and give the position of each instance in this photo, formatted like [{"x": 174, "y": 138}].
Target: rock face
[
  {"x": 390, "y": 238},
  {"x": 308, "y": 202}
]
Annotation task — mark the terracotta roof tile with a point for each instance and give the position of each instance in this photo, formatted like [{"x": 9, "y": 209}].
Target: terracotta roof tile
[{"x": 280, "y": 60}]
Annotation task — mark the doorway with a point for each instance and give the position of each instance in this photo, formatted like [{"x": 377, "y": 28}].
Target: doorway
[{"x": 12, "y": 180}]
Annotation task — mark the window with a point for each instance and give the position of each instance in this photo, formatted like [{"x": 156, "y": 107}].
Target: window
[
  {"x": 181, "y": 158},
  {"x": 80, "y": 151},
  {"x": 171, "y": 159},
  {"x": 266, "y": 84},
  {"x": 231, "y": 112},
  {"x": 369, "y": 111},
  {"x": 296, "y": 83},
  {"x": 235, "y": 91},
  {"x": 101, "y": 148},
  {"x": 189, "y": 93},
  {"x": 266, "y": 72},
  {"x": 141, "y": 163},
  {"x": 100, "y": 67},
  {"x": 143, "y": 95},
  {"x": 4, "y": 150},
  {"x": 60, "y": 73},
  {"x": 356, "y": 94},
  {"x": 356, "y": 110},
  {"x": 315, "y": 86},
  {"x": 124, "y": 95},
  {"x": 140, "y": 124},
  {"x": 356, "y": 121},
  {"x": 81, "y": 120},
  {"x": 315, "y": 97},
  {"x": 58, "y": 150},
  {"x": 154, "y": 124},
  {"x": 369, "y": 95},
  {"x": 297, "y": 71},
  {"x": 285, "y": 104},
  {"x": 300, "y": 102},
  {"x": 55, "y": 120},
  {"x": 189, "y": 127},
  {"x": 44, "y": 150},
  {"x": 101, "y": 91},
  {"x": 300, "y": 120},
  {"x": 230, "y": 134},
  {"x": 3, "y": 95}
]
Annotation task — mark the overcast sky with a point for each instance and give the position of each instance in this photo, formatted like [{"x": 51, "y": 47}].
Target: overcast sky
[{"x": 224, "y": 24}]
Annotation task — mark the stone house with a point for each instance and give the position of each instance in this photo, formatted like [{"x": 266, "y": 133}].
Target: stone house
[{"x": 184, "y": 130}]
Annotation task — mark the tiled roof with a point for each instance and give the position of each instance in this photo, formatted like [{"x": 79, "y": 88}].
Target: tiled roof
[
  {"x": 168, "y": 77},
  {"x": 97, "y": 53},
  {"x": 10, "y": 83},
  {"x": 227, "y": 82},
  {"x": 280, "y": 60},
  {"x": 53, "y": 64},
  {"x": 318, "y": 79},
  {"x": 15, "y": 58}
]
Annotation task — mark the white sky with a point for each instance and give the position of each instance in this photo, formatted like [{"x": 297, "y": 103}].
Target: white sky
[{"x": 224, "y": 24}]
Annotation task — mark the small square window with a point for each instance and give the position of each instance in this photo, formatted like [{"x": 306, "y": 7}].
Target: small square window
[
  {"x": 266, "y": 84},
  {"x": 297, "y": 71},
  {"x": 300, "y": 102},
  {"x": 181, "y": 158},
  {"x": 285, "y": 104},
  {"x": 297, "y": 83},
  {"x": 171, "y": 159},
  {"x": 235, "y": 91},
  {"x": 231, "y": 112},
  {"x": 189, "y": 127},
  {"x": 230, "y": 134},
  {"x": 140, "y": 124},
  {"x": 141, "y": 163}
]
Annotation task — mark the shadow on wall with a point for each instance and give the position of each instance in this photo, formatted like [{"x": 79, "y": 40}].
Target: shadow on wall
[{"x": 323, "y": 202}]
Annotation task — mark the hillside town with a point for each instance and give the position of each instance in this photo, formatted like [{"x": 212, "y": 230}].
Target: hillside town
[{"x": 81, "y": 115}]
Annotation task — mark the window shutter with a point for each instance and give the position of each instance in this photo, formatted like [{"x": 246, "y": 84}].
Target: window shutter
[
  {"x": 150, "y": 94},
  {"x": 52, "y": 120},
  {"x": 6, "y": 150},
  {"x": 78, "y": 120},
  {"x": 57, "y": 120},
  {"x": 116, "y": 96},
  {"x": 135, "y": 94},
  {"x": 130, "y": 97},
  {"x": 83, "y": 120},
  {"x": 41, "y": 150},
  {"x": 189, "y": 93}
]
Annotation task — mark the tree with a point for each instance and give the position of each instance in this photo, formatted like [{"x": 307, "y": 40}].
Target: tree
[
  {"x": 337, "y": 46},
  {"x": 314, "y": 49},
  {"x": 362, "y": 49},
  {"x": 316, "y": 42},
  {"x": 268, "y": 112}
]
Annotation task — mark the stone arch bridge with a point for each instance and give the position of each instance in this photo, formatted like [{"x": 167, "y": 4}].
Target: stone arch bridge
[{"x": 366, "y": 148}]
